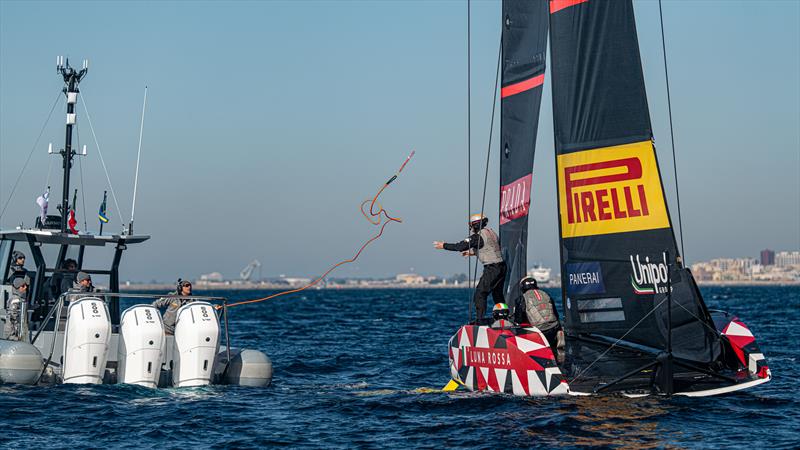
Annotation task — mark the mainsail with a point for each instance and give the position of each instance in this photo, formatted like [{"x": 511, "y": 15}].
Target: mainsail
[
  {"x": 524, "y": 50},
  {"x": 619, "y": 256}
]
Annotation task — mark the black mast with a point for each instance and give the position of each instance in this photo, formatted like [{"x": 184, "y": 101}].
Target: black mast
[{"x": 72, "y": 78}]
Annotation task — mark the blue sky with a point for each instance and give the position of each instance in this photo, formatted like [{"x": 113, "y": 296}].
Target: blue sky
[{"x": 269, "y": 122}]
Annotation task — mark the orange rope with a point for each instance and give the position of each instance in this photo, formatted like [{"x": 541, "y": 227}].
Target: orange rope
[{"x": 372, "y": 214}]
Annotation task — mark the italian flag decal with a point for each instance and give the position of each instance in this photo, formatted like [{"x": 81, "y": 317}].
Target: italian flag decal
[{"x": 641, "y": 290}]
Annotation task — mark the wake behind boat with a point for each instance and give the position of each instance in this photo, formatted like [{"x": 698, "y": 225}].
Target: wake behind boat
[
  {"x": 80, "y": 336},
  {"x": 634, "y": 318}
]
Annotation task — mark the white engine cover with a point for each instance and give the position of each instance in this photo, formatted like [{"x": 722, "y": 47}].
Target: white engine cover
[
  {"x": 141, "y": 346},
  {"x": 196, "y": 345},
  {"x": 87, "y": 334}
]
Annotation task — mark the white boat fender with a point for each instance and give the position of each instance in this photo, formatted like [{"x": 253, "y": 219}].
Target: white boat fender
[
  {"x": 20, "y": 362},
  {"x": 247, "y": 368}
]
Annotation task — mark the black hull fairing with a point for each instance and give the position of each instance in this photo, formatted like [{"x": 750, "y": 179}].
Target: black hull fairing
[{"x": 591, "y": 365}]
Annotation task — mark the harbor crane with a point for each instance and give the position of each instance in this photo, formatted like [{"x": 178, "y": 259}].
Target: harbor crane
[{"x": 247, "y": 272}]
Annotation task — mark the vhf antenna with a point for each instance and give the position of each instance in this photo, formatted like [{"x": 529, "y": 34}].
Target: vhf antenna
[{"x": 72, "y": 78}]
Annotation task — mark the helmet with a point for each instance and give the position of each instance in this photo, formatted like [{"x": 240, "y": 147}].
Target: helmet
[
  {"x": 527, "y": 283},
  {"x": 500, "y": 311},
  {"x": 477, "y": 221}
]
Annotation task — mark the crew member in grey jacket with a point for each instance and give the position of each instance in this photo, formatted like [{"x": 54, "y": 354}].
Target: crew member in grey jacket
[
  {"x": 14, "y": 317},
  {"x": 484, "y": 243},
  {"x": 173, "y": 303}
]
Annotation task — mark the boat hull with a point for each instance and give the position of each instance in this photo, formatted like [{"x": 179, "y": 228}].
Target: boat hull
[
  {"x": 515, "y": 361},
  {"x": 519, "y": 361}
]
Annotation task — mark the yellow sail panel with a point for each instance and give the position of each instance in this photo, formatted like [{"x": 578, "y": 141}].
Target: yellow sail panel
[{"x": 610, "y": 190}]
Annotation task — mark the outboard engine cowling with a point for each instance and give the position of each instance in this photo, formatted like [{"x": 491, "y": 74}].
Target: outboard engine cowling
[
  {"x": 86, "y": 338},
  {"x": 196, "y": 345},
  {"x": 141, "y": 346}
]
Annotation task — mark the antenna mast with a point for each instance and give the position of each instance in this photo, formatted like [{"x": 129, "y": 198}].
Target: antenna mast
[
  {"x": 72, "y": 78},
  {"x": 138, "y": 158}
]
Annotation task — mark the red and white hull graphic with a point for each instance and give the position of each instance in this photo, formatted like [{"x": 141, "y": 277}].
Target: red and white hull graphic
[{"x": 518, "y": 361}]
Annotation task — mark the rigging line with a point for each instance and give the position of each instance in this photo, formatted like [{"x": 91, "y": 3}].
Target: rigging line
[
  {"x": 102, "y": 161},
  {"x": 138, "y": 157},
  {"x": 671, "y": 132},
  {"x": 83, "y": 186},
  {"x": 618, "y": 340},
  {"x": 30, "y": 154},
  {"x": 469, "y": 151},
  {"x": 491, "y": 131},
  {"x": 49, "y": 171},
  {"x": 372, "y": 213}
]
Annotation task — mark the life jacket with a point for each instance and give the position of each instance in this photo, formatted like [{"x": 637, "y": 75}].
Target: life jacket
[
  {"x": 490, "y": 252},
  {"x": 539, "y": 309}
]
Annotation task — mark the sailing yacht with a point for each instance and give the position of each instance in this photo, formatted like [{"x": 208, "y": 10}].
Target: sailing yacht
[
  {"x": 634, "y": 318},
  {"x": 83, "y": 337}
]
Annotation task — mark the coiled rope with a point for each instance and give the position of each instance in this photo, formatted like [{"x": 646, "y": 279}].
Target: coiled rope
[{"x": 375, "y": 217}]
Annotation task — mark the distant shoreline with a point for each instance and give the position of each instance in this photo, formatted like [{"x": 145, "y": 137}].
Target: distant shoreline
[{"x": 279, "y": 287}]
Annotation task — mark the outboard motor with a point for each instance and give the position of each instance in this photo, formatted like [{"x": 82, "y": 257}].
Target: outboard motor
[
  {"x": 86, "y": 338},
  {"x": 141, "y": 346},
  {"x": 196, "y": 345}
]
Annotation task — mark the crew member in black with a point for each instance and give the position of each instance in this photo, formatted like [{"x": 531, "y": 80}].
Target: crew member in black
[
  {"x": 484, "y": 243},
  {"x": 17, "y": 268}
]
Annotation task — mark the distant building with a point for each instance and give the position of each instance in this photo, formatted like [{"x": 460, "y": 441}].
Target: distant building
[
  {"x": 410, "y": 278},
  {"x": 787, "y": 259},
  {"x": 214, "y": 277},
  {"x": 767, "y": 257}
]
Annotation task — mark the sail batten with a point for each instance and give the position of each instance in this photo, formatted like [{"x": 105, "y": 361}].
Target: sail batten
[{"x": 524, "y": 40}]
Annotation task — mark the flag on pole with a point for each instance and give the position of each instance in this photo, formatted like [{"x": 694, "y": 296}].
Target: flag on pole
[
  {"x": 42, "y": 201},
  {"x": 103, "y": 213},
  {"x": 71, "y": 221}
]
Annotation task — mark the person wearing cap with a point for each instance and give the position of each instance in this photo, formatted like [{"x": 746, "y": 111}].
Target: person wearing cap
[
  {"x": 83, "y": 284},
  {"x": 539, "y": 310},
  {"x": 14, "y": 317},
  {"x": 501, "y": 316},
  {"x": 483, "y": 243},
  {"x": 17, "y": 267},
  {"x": 173, "y": 303}
]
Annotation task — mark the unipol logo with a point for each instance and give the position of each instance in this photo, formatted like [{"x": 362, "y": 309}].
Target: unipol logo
[
  {"x": 515, "y": 199},
  {"x": 610, "y": 190},
  {"x": 649, "y": 277}
]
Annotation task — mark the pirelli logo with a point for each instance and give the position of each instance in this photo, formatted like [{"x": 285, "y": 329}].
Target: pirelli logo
[{"x": 610, "y": 190}]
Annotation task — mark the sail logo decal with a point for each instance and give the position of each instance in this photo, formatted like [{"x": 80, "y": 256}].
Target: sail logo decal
[
  {"x": 610, "y": 190},
  {"x": 585, "y": 278},
  {"x": 558, "y": 5},
  {"x": 515, "y": 199},
  {"x": 648, "y": 278},
  {"x": 487, "y": 357}
]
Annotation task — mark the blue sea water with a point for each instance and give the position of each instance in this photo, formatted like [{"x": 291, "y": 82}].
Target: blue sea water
[{"x": 348, "y": 368}]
